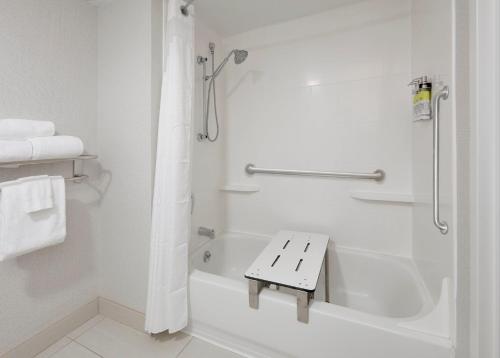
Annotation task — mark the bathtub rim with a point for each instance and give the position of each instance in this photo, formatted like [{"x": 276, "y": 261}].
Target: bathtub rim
[
  {"x": 388, "y": 324},
  {"x": 403, "y": 262}
]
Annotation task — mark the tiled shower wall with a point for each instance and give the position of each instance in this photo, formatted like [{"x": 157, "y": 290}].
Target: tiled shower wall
[
  {"x": 325, "y": 92},
  {"x": 432, "y": 34},
  {"x": 208, "y": 158}
]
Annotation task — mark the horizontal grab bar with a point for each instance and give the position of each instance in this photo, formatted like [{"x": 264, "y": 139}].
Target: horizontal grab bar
[{"x": 377, "y": 175}]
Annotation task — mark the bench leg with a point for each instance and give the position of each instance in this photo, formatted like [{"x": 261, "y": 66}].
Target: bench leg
[
  {"x": 303, "y": 306},
  {"x": 254, "y": 288}
]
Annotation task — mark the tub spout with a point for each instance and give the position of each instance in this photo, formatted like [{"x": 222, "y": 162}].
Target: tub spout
[{"x": 204, "y": 231}]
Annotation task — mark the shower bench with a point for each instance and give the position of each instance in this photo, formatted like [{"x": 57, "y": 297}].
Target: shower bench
[{"x": 292, "y": 259}]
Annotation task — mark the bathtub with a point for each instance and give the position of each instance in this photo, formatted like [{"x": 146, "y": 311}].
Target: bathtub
[{"x": 375, "y": 300}]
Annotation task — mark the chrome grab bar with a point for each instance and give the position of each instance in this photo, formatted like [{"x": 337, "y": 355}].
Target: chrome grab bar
[
  {"x": 441, "y": 225},
  {"x": 377, "y": 175}
]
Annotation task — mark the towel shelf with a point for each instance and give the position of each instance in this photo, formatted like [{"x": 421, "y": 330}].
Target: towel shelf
[
  {"x": 5, "y": 165},
  {"x": 76, "y": 178}
]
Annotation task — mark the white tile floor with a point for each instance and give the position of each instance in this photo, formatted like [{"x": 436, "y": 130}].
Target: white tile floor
[{"x": 102, "y": 337}]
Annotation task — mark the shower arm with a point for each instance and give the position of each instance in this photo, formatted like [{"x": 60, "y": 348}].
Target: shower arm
[{"x": 219, "y": 68}]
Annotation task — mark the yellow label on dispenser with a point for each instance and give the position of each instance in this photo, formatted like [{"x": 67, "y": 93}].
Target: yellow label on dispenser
[
  {"x": 422, "y": 105},
  {"x": 422, "y": 96}
]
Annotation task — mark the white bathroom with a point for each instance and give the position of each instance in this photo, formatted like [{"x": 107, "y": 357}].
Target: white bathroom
[{"x": 236, "y": 178}]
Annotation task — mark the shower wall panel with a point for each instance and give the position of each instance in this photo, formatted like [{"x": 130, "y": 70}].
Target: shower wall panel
[
  {"x": 325, "y": 92},
  {"x": 208, "y": 158},
  {"x": 432, "y": 51}
]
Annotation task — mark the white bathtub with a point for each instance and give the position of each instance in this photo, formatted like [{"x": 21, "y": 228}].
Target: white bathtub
[{"x": 372, "y": 296}]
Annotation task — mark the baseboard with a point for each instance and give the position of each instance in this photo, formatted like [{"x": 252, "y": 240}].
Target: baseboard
[
  {"x": 122, "y": 314},
  {"x": 116, "y": 312},
  {"x": 54, "y": 332},
  {"x": 136, "y": 320},
  {"x": 63, "y": 327}
]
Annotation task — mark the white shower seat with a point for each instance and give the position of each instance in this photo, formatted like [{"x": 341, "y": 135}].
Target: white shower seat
[{"x": 292, "y": 259}]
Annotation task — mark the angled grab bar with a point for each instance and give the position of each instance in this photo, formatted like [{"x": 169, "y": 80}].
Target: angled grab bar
[
  {"x": 441, "y": 225},
  {"x": 377, "y": 175}
]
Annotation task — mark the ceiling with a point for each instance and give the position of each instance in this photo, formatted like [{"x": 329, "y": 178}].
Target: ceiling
[{"x": 230, "y": 17}]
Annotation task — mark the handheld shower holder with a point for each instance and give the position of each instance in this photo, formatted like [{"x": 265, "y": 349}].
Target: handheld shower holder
[{"x": 239, "y": 57}]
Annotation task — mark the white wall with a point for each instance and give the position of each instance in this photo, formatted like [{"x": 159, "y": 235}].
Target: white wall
[
  {"x": 325, "y": 92},
  {"x": 48, "y": 70},
  {"x": 126, "y": 131}
]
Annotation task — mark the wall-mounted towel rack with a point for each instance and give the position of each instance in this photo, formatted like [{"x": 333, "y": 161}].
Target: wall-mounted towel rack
[
  {"x": 76, "y": 178},
  {"x": 377, "y": 175}
]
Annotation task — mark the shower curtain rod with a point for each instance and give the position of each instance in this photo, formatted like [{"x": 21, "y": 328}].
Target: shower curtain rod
[{"x": 184, "y": 8}]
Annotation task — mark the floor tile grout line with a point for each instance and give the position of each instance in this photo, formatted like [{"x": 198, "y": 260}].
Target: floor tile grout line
[
  {"x": 85, "y": 331},
  {"x": 60, "y": 349},
  {"x": 75, "y": 340},
  {"x": 87, "y": 348},
  {"x": 185, "y": 346}
]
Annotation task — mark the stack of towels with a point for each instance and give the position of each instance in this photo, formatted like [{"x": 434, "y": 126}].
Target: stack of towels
[
  {"x": 24, "y": 139},
  {"x": 32, "y": 215},
  {"x": 33, "y": 209}
]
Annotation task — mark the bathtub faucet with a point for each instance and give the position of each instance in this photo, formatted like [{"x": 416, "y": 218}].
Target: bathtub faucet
[{"x": 204, "y": 231}]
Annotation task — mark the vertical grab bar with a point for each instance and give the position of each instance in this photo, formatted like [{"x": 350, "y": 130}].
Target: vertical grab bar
[{"x": 441, "y": 225}]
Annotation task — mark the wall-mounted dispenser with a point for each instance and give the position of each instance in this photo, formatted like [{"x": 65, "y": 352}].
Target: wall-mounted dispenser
[{"x": 422, "y": 95}]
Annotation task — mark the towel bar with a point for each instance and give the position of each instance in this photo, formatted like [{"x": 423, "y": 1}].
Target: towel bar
[{"x": 76, "y": 178}]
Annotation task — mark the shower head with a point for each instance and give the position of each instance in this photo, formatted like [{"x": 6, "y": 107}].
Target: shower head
[{"x": 240, "y": 56}]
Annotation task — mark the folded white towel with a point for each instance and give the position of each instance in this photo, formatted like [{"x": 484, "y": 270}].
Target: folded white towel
[
  {"x": 23, "y": 232},
  {"x": 15, "y": 151},
  {"x": 20, "y": 129},
  {"x": 36, "y": 193},
  {"x": 56, "y": 147}
]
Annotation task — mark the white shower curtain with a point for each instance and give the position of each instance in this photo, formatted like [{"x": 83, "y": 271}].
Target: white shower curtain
[{"x": 167, "y": 305}]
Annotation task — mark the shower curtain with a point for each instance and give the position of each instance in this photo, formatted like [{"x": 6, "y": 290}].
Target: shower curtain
[{"x": 167, "y": 304}]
